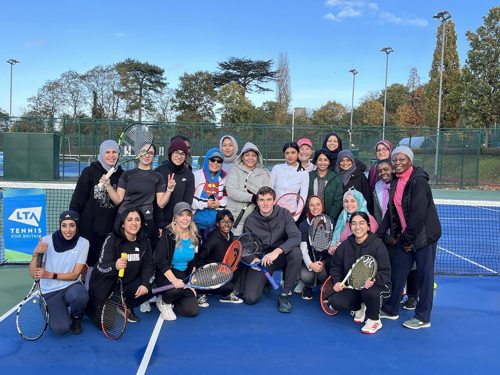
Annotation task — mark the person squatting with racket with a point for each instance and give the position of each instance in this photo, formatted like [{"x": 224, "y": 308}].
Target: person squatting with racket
[
  {"x": 361, "y": 286},
  {"x": 176, "y": 257},
  {"x": 128, "y": 237},
  {"x": 280, "y": 237},
  {"x": 64, "y": 257},
  {"x": 316, "y": 231},
  {"x": 214, "y": 249}
]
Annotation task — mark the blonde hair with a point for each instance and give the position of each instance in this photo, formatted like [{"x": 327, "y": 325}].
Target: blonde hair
[{"x": 193, "y": 232}]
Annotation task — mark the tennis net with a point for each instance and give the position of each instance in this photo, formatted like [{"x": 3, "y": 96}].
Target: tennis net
[{"x": 470, "y": 243}]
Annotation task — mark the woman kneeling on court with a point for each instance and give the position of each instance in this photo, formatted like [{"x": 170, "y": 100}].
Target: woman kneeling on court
[
  {"x": 65, "y": 256},
  {"x": 175, "y": 256},
  {"x": 364, "y": 303},
  {"x": 127, "y": 237}
]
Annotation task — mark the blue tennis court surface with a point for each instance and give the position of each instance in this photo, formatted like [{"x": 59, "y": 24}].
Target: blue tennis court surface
[{"x": 229, "y": 339}]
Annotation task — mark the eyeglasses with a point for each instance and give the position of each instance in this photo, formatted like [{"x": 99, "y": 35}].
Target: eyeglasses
[
  {"x": 216, "y": 160},
  {"x": 179, "y": 153},
  {"x": 226, "y": 222}
]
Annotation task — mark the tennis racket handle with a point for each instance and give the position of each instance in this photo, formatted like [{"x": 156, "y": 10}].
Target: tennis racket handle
[
  {"x": 342, "y": 284},
  {"x": 240, "y": 215},
  {"x": 271, "y": 280},
  {"x": 39, "y": 260},
  {"x": 162, "y": 288},
  {"x": 122, "y": 271},
  {"x": 108, "y": 175}
]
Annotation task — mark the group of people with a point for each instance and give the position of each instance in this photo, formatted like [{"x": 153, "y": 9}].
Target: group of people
[{"x": 171, "y": 220}]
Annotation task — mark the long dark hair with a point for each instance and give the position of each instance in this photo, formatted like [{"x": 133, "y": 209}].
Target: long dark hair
[{"x": 118, "y": 227}]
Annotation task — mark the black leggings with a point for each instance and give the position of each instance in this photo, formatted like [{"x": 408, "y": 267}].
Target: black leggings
[
  {"x": 350, "y": 299},
  {"x": 184, "y": 300}
]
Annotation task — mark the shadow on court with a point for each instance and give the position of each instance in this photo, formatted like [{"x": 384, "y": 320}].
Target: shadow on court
[{"x": 229, "y": 339}]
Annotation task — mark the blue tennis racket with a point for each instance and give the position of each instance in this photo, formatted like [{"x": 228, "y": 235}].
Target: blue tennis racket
[{"x": 252, "y": 252}]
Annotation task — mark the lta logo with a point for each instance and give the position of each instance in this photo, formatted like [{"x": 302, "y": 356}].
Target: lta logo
[{"x": 29, "y": 216}]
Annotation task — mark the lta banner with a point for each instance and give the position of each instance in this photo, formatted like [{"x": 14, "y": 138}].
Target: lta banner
[{"x": 24, "y": 221}]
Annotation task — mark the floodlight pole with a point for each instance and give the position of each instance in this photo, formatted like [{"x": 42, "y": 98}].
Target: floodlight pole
[
  {"x": 442, "y": 16},
  {"x": 12, "y": 62},
  {"x": 387, "y": 51},
  {"x": 354, "y": 72}
]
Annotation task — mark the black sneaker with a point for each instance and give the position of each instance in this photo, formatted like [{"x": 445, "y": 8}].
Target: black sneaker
[
  {"x": 76, "y": 325},
  {"x": 284, "y": 304},
  {"x": 131, "y": 317},
  {"x": 410, "y": 303},
  {"x": 307, "y": 294}
]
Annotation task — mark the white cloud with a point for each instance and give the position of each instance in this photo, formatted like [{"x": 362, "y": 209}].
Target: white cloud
[{"x": 357, "y": 8}]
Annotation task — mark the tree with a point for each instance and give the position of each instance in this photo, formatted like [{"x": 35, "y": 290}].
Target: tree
[
  {"x": 73, "y": 94},
  {"x": 266, "y": 113},
  {"x": 105, "y": 83},
  {"x": 481, "y": 73},
  {"x": 249, "y": 74},
  {"x": 370, "y": 112},
  {"x": 397, "y": 95},
  {"x": 330, "y": 113},
  {"x": 283, "y": 94},
  {"x": 164, "y": 102},
  {"x": 236, "y": 108},
  {"x": 195, "y": 97},
  {"x": 47, "y": 102},
  {"x": 450, "y": 99},
  {"x": 139, "y": 81},
  {"x": 411, "y": 114}
]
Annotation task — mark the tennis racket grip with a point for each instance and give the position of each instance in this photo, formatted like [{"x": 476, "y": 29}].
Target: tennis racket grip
[
  {"x": 107, "y": 175},
  {"x": 163, "y": 288},
  {"x": 240, "y": 215},
  {"x": 271, "y": 280},
  {"x": 39, "y": 260},
  {"x": 342, "y": 284},
  {"x": 122, "y": 271}
]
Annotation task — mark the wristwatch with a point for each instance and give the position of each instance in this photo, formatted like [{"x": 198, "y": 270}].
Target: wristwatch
[{"x": 54, "y": 276}]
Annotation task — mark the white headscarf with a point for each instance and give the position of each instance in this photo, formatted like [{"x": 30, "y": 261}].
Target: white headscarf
[{"x": 105, "y": 146}]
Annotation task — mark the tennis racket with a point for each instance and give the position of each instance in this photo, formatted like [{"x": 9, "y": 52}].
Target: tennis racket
[
  {"x": 252, "y": 248},
  {"x": 257, "y": 178},
  {"x": 114, "y": 312},
  {"x": 320, "y": 235},
  {"x": 293, "y": 202},
  {"x": 363, "y": 269},
  {"x": 210, "y": 276},
  {"x": 233, "y": 255},
  {"x": 32, "y": 315},
  {"x": 131, "y": 140},
  {"x": 327, "y": 291}
]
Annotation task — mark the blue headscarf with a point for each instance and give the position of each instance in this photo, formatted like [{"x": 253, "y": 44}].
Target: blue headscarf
[{"x": 345, "y": 216}]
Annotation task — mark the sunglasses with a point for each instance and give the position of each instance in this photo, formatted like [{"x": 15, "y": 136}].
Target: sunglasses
[{"x": 216, "y": 160}]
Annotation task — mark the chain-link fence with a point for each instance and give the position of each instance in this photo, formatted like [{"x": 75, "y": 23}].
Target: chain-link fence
[{"x": 465, "y": 157}]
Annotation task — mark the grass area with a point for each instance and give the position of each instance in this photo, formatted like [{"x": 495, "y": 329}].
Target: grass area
[{"x": 15, "y": 284}]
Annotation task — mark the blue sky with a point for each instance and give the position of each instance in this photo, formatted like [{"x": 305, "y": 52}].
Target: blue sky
[{"x": 323, "y": 40}]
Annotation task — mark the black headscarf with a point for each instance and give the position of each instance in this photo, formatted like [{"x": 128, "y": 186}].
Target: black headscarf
[{"x": 61, "y": 244}]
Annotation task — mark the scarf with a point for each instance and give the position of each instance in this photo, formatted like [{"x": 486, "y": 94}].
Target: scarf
[
  {"x": 345, "y": 216},
  {"x": 61, "y": 244},
  {"x": 105, "y": 146}
]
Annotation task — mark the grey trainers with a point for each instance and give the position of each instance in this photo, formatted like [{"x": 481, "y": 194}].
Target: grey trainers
[
  {"x": 410, "y": 303},
  {"x": 416, "y": 324},
  {"x": 284, "y": 304},
  {"x": 384, "y": 315},
  {"x": 203, "y": 300},
  {"x": 299, "y": 287},
  {"x": 360, "y": 315}
]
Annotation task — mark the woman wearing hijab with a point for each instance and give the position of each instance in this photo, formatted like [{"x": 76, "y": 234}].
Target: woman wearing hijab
[
  {"x": 127, "y": 237},
  {"x": 176, "y": 168},
  {"x": 209, "y": 195},
  {"x": 383, "y": 151},
  {"x": 333, "y": 145},
  {"x": 353, "y": 201},
  {"x": 96, "y": 210},
  {"x": 353, "y": 177},
  {"x": 229, "y": 148},
  {"x": 65, "y": 256}
]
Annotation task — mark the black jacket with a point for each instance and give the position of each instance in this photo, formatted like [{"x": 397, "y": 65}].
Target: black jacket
[
  {"x": 422, "y": 222},
  {"x": 183, "y": 192},
  {"x": 214, "y": 248},
  {"x": 349, "y": 250},
  {"x": 164, "y": 254},
  {"x": 97, "y": 213}
]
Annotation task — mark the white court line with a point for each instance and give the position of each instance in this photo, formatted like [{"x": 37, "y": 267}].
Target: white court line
[
  {"x": 468, "y": 260},
  {"x": 11, "y": 311},
  {"x": 151, "y": 346}
]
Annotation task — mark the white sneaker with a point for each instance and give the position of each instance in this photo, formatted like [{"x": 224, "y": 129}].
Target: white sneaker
[
  {"x": 166, "y": 310},
  {"x": 299, "y": 288},
  {"x": 359, "y": 316},
  {"x": 145, "y": 307},
  {"x": 203, "y": 301},
  {"x": 371, "y": 326}
]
